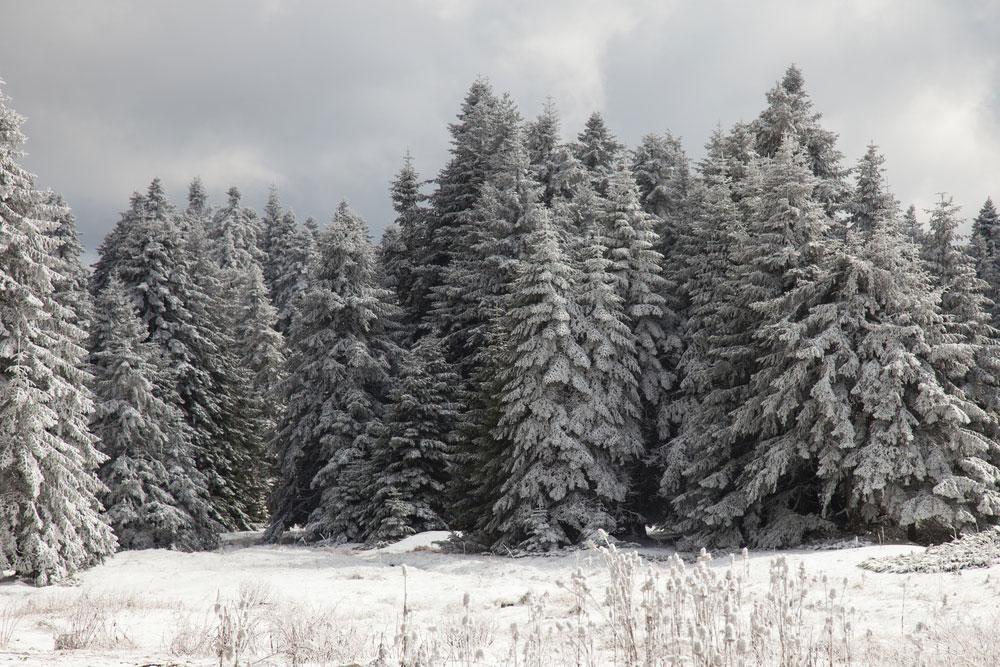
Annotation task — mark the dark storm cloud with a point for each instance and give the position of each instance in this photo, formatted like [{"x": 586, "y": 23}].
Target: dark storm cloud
[{"x": 322, "y": 98}]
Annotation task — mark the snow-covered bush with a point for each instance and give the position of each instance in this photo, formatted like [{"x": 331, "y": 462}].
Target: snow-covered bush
[{"x": 970, "y": 551}]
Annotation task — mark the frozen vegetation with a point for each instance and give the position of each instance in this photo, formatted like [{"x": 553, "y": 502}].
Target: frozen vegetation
[
  {"x": 408, "y": 604},
  {"x": 556, "y": 345}
]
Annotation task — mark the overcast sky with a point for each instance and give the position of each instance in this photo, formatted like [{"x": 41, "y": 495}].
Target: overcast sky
[{"x": 323, "y": 98}]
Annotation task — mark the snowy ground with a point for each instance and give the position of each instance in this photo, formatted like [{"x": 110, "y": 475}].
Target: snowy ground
[{"x": 156, "y": 607}]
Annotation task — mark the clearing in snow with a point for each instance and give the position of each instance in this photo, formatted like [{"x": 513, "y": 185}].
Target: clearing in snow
[{"x": 336, "y": 605}]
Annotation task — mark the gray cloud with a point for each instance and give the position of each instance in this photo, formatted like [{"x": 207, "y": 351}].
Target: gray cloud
[{"x": 322, "y": 98}]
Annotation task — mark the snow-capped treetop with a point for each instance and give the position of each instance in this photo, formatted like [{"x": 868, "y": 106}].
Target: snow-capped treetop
[
  {"x": 871, "y": 202},
  {"x": 197, "y": 199}
]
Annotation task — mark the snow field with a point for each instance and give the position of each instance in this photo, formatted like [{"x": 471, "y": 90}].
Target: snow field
[{"x": 335, "y": 605}]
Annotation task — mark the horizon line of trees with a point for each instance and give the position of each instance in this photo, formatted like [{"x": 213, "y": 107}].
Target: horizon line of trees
[{"x": 758, "y": 349}]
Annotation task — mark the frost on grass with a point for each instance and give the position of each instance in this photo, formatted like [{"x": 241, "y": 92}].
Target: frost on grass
[{"x": 969, "y": 551}]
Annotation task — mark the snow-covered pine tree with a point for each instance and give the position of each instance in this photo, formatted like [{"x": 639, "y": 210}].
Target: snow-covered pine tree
[
  {"x": 402, "y": 246},
  {"x": 735, "y": 155},
  {"x": 312, "y": 227},
  {"x": 112, "y": 250},
  {"x": 919, "y": 461},
  {"x": 569, "y": 186},
  {"x": 391, "y": 255},
  {"x": 743, "y": 167},
  {"x": 197, "y": 198},
  {"x": 294, "y": 251},
  {"x": 661, "y": 172},
  {"x": 164, "y": 264},
  {"x": 271, "y": 227},
  {"x": 637, "y": 279},
  {"x": 557, "y": 488},
  {"x": 598, "y": 150},
  {"x": 473, "y": 138},
  {"x": 702, "y": 459},
  {"x": 477, "y": 471},
  {"x": 797, "y": 391},
  {"x": 255, "y": 349},
  {"x": 787, "y": 251},
  {"x": 233, "y": 232},
  {"x": 612, "y": 414},
  {"x": 70, "y": 326},
  {"x": 717, "y": 465},
  {"x": 871, "y": 202},
  {"x": 966, "y": 308},
  {"x": 662, "y": 175},
  {"x": 155, "y": 497},
  {"x": 790, "y": 112},
  {"x": 912, "y": 227},
  {"x": 71, "y": 287},
  {"x": 850, "y": 421},
  {"x": 985, "y": 249},
  {"x": 476, "y": 282},
  {"x": 261, "y": 349},
  {"x": 341, "y": 362},
  {"x": 541, "y": 141},
  {"x": 233, "y": 297},
  {"x": 51, "y": 521},
  {"x": 413, "y": 452}
]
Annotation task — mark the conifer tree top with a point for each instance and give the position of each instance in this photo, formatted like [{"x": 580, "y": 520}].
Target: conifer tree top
[{"x": 197, "y": 197}]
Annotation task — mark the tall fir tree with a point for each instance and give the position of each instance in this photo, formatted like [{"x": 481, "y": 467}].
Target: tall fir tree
[
  {"x": 415, "y": 445},
  {"x": 912, "y": 227},
  {"x": 294, "y": 252},
  {"x": 790, "y": 112},
  {"x": 598, "y": 150},
  {"x": 475, "y": 284},
  {"x": 70, "y": 326},
  {"x": 72, "y": 286},
  {"x": 473, "y": 138},
  {"x": 557, "y": 487},
  {"x": 312, "y": 227},
  {"x": 985, "y": 249},
  {"x": 402, "y": 246},
  {"x": 662, "y": 175},
  {"x": 261, "y": 352},
  {"x": 226, "y": 304},
  {"x": 796, "y": 390},
  {"x": 700, "y": 461},
  {"x": 612, "y": 414},
  {"x": 51, "y": 521},
  {"x": 915, "y": 457},
  {"x": 254, "y": 348},
  {"x": 156, "y": 497},
  {"x": 728, "y": 494},
  {"x": 234, "y": 235},
  {"x": 637, "y": 274},
  {"x": 542, "y": 143},
  {"x": 635, "y": 267},
  {"x": 870, "y": 202},
  {"x": 966, "y": 307},
  {"x": 271, "y": 227},
  {"x": 116, "y": 244},
  {"x": 165, "y": 265},
  {"x": 197, "y": 198},
  {"x": 341, "y": 360}
]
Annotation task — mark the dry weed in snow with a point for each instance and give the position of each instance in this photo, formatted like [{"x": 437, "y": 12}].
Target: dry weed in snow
[
  {"x": 10, "y": 617},
  {"x": 92, "y": 624}
]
